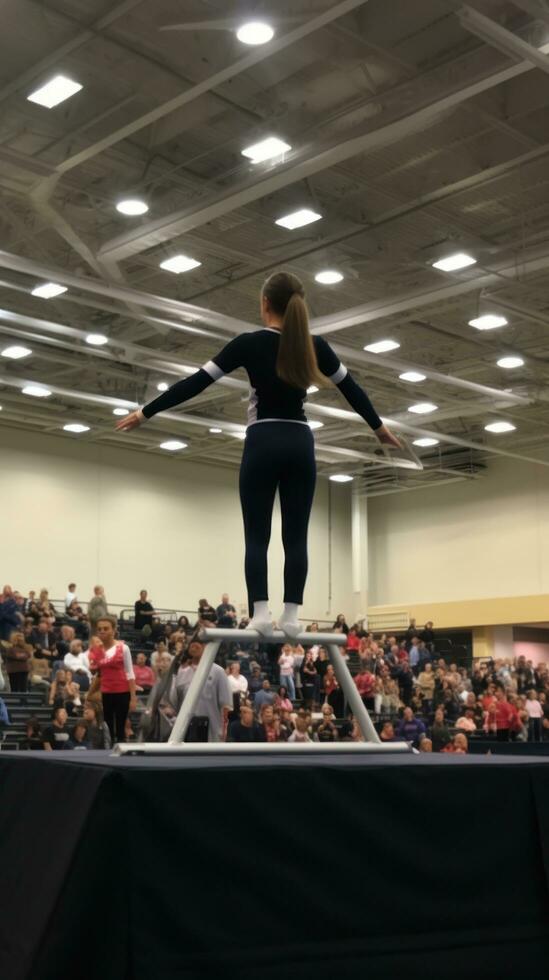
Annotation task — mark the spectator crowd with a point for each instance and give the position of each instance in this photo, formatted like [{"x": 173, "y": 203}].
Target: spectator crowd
[{"x": 261, "y": 693}]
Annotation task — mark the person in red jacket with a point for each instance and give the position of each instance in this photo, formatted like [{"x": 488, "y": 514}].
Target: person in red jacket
[
  {"x": 507, "y": 719},
  {"x": 366, "y": 684},
  {"x": 113, "y": 660}
]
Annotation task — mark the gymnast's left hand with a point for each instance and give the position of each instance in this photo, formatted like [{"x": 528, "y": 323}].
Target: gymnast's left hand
[
  {"x": 131, "y": 421},
  {"x": 387, "y": 438}
]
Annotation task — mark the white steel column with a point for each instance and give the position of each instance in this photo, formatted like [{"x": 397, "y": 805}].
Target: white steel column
[{"x": 359, "y": 554}]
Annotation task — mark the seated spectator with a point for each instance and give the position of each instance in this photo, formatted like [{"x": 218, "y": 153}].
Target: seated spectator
[
  {"x": 184, "y": 625},
  {"x": 63, "y": 642},
  {"x": 237, "y": 682},
  {"x": 410, "y": 728},
  {"x": 162, "y": 663},
  {"x": 264, "y": 697},
  {"x": 387, "y": 699},
  {"x": 255, "y": 682},
  {"x": 17, "y": 655},
  {"x": 207, "y": 616},
  {"x": 79, "y": 737},
  {"x": 301, "y": 730},
  {"x": 458, "y": 745},
  {"x": 282, "y": 700},
  {"x": 387, "y": 733},
  {"x": 34, "y": 739},
  {"x": 39, "y": 673},
  {"x": 57, "y": 735},
  {"x": 144, "y": 675},
  {"x": 340, "y": 626},
  {"x": 286, "y": 724},
  {"x": 326, "y": 730},
  {"x": 271, "y": 727},
  {"x": 440, "y": 732},
  {"x": 246, "y": 729},
  {"x": 353, "y": 639},
  {"x": 426, "y": 684},
  {"x": 426, "y": 745},
  {"x": 76, "y": 660},
  {"x": 467, "y": 722},
  {"x": 98, "y": 734}
]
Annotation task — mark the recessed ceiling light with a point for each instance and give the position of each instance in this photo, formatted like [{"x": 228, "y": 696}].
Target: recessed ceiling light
[
  {"x": 97, "y": 339},
  {"x": 341, "y": 478},
  {"x": 382, "y": 346},
  {"x": 510, "y": 362},
  {"x": 451, "y": 263},
  {"x": 132, "y": 207},
  {"x": 488, "y": 321},
  {"x": 179, "y": 263},
  {"x": 423, "y": 408},
  {"x": 120, "y": 411},
  {"x": 76, "y": 427},
  {"x": 255, "y": 32},
  {"x": 328, "y": 277},
  {"x": 215, "y": 430},
  {"x": 500, "y": 427},
  {"x": 37, "y": 391},
  {"x": 48, "y": 290},
  {"x": 297, "y": 219},
  {"x": 172, "y": 445},
  {"x": 55, "y": 91},
  {"x": 266, "y": 149},
  {"x": 312, "y": 390},
  {"x": 15, "y": 352},
  {"x": 315, "y": 424},
  {"x": 426, "y": 442},
  {"x": 413, "y": 376},
  {"x": 162, "y": 386}
]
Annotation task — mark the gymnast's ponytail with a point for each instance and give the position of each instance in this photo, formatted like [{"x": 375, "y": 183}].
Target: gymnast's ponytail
[{"x": 296, "y": 363}]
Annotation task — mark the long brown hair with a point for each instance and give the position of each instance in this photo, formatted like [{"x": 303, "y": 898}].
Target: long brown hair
[{"x": 296, "y": 362}]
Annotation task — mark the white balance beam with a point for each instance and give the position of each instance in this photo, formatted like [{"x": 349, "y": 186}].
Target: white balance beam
[
  {"x": 259, "y": 748},
  {"x": 277, "y": 636}
]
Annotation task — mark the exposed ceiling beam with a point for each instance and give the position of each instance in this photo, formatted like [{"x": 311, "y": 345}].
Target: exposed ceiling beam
[{"x": 502, "y": 39}]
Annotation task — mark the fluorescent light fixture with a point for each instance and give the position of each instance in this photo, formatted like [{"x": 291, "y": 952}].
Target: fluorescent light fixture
[
  {"x": 488, "y": 321},
  {"x": 312, "y": 390},
  {"x": 426, "y": 442},
  {"x": 255, "y": 32},
  {"x": 48, "y": 290},
  {"x": 500, "y": 427},
  {"x": 97, "y": 339},
  {"x": 15, "y": 352},
  {"x": 55, "y": 91},
  {"x": 37, "y": 391},
  {"x": 215, "y": 430},
  {"x": 179, "y": 263},
  {"x": 382, "y": 346},
  {"x": 132, "y": 207},
  {"x": 297, "y": 219},
  {"x": 315, "y": 424},
  {"x": 120, "y": 411},
  {"x": 172, "y": 445},
  {"x": 266, "y": 149},
  {"x": 162, "y": 386},
  {"x": 414, "y": 376},
  {"x": 341, "y": 478},
  {"x": 451, "y": 263},
  {"x": 328, "y": 277},
  {"x": 423, "y": 408},
  {"x": 510, "y": 362},
  {"x": 76, "y": 427}
]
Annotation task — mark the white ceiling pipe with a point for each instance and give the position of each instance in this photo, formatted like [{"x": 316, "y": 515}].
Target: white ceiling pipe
[
  {"x": 163, "y": 229},
  {"x": 502, "y": 39},
  {"x": 212, "y": 82}
]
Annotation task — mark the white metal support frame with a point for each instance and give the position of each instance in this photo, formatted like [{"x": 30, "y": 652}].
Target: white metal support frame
[{"x": 213, "y": 639}]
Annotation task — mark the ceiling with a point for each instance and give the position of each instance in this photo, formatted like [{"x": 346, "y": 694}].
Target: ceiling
[{"x": 416, "y": 131}]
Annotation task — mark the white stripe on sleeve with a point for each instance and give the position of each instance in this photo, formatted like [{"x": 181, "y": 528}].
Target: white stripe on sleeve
[
  {"x": 213, "y": 370},
  {"x": 339, "y": 374}
]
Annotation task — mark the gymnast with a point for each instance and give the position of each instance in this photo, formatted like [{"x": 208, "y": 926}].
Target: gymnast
[{"x": 282, "y": 361}]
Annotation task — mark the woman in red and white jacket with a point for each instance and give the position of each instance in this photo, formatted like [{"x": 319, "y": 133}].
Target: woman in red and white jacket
[{"x": 113, "y": 660}]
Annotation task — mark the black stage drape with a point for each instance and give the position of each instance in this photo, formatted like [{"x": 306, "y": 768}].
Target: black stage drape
[{"x": 153, "y": 869}]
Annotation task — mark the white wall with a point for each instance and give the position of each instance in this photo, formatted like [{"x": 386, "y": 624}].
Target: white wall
[
  {"x": 472, "y": 540},
  {"x": 128, "y": 520}
]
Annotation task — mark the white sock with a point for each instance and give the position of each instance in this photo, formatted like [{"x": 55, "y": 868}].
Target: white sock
[
  {"x": 290, "y": 612},
  {"x": 261, "y": 610}
]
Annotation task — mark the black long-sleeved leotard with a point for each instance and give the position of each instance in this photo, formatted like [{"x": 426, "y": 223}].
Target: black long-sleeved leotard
[{"x": 271, "y": 398}]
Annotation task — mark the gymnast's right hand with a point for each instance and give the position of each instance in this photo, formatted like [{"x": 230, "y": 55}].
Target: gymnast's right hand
[
  {"x": 387, "y": 438},
  {"x": 131, "y": 421}
]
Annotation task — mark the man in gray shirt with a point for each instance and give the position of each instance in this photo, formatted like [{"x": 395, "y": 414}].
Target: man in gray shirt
[{"x": 215, "y": 700}]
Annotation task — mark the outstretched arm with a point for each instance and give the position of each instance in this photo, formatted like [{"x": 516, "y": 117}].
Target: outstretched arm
[
  {"x": 228, "y": 359},
  {"x": 331, "y": 366}
]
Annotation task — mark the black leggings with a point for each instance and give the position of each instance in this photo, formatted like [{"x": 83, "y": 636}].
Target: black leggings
[
  {"x": 115, "y": 712},
  {"x": 19, "y": 680},
  {"x": 277, "y": 455}
]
